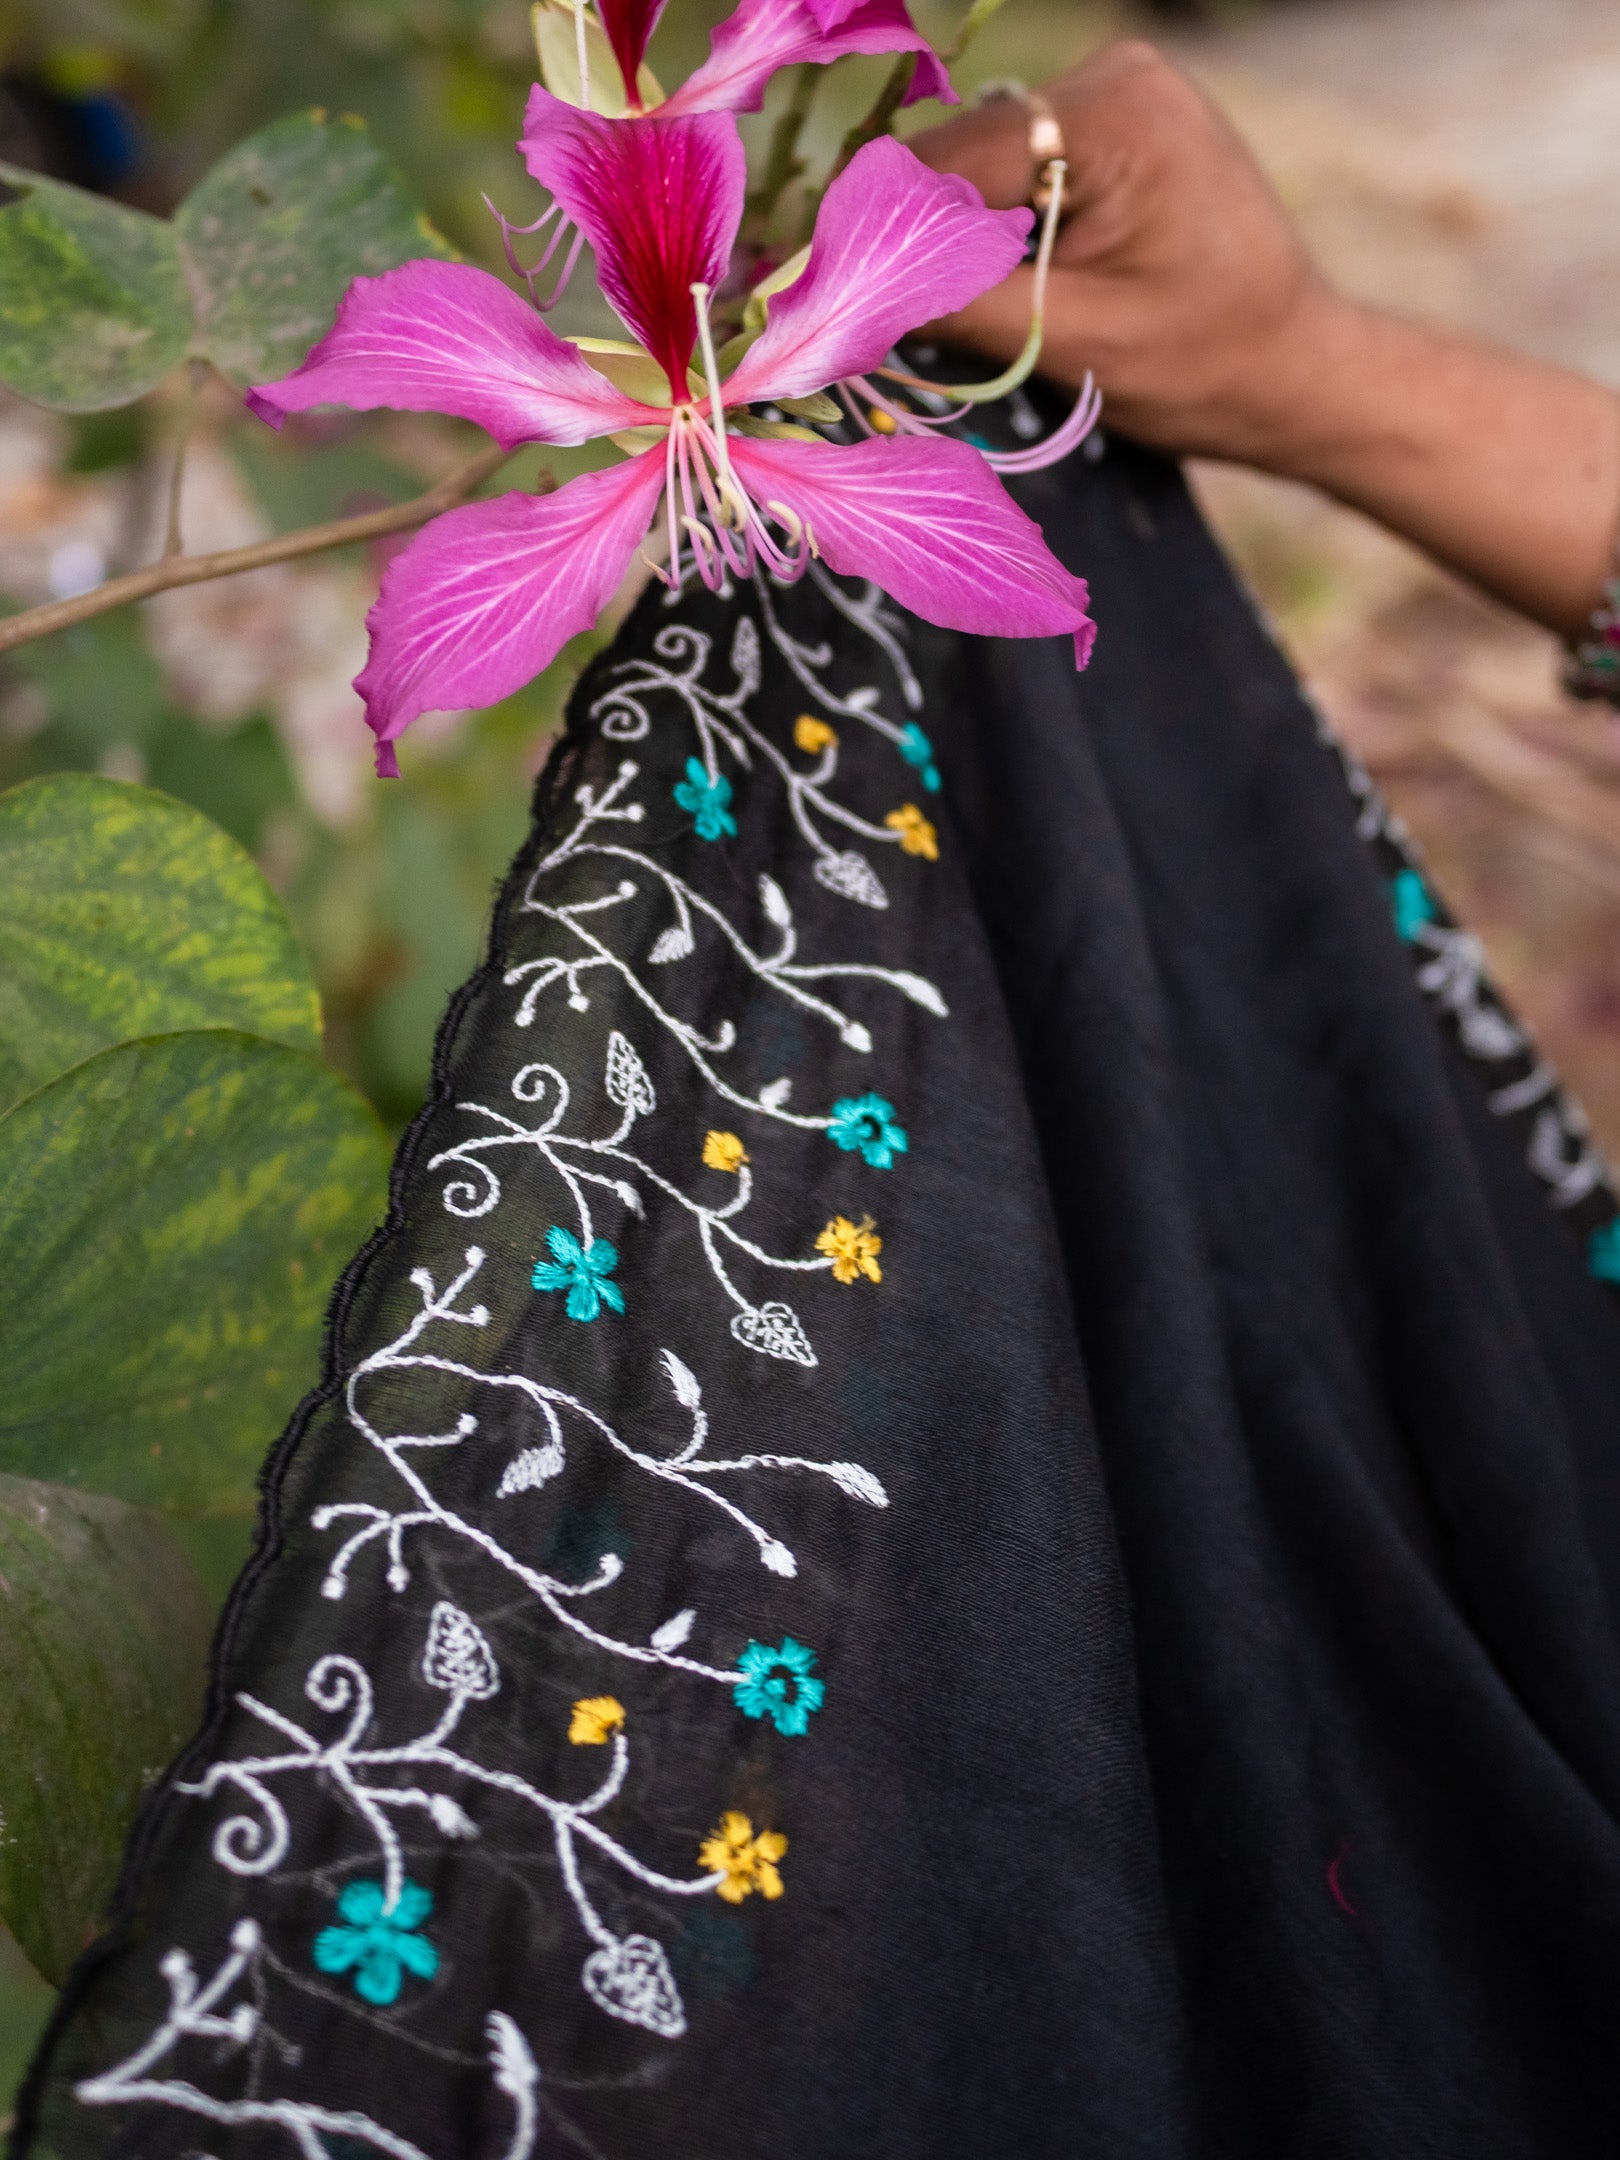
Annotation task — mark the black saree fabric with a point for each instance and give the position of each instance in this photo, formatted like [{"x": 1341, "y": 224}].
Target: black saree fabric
[{"x": 971, "y": 1505}]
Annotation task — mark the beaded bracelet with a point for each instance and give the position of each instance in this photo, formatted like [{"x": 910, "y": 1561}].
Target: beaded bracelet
[{"x": 1592, "y": 668}]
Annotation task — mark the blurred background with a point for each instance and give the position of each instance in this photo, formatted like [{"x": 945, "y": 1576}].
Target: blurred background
[{"x": 1459, "y": 157}]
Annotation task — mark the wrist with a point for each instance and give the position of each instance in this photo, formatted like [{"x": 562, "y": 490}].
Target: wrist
[{"x": 1306, "y": 407}]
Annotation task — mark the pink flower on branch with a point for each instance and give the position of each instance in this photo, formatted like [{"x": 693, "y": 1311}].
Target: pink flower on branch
[{"x": 484, "y": 598}]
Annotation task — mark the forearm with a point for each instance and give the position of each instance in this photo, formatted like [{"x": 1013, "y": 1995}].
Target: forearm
[{"x": 1503, "y": 467}]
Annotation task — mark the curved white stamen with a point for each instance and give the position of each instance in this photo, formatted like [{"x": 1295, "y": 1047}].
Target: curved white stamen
[
  {"x": 1074, "y": 430},
  {"x": 705, "y": 330},
  {"x": 733, "y": 536}
]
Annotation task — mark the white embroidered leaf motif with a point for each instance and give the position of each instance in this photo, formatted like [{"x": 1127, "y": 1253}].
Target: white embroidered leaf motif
[
  {"x": 774, "y": 1331},
  {"x": 458, "y": 1657},
  {"x": 531, "y": 1468},
  {"x": 852, "y": 876},
  {"x": 774, "y": 1096},
  {"x": 858, "y": 1483},
  {"x": 683, "y": 1380},
  {"x": 516, "y": 2071},
  {"x": 775, "y": 1555},
  {"x": 921, "y": 992},
  {"x": 674, "y": 1632},
  {"x": 675, "y": 943},
  {"x": 626, "y": 1080},
  {"x": 775, "y": 902},
  {"x": 450, "y": 1817},
  {"x": 745, "y": 657},
  {"x": 632, "y": 1980}
]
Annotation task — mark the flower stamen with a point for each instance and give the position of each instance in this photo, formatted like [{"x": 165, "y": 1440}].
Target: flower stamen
[
  {"x": 711, "y": 373},
  {"x": 531, "y": 276}
]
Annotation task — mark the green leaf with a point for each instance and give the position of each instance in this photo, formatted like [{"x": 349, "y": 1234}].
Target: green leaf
[
  {"x": 94, "y": 307},
  {"x": 124, "y": 913},
  {"x": 174, "y": 1213},
  {"x": 277, "y": 230},
  {"x": 106, "y": 1635}
]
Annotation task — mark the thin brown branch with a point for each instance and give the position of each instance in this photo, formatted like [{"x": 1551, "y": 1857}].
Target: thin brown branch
[{"x": 174, "y": 570}]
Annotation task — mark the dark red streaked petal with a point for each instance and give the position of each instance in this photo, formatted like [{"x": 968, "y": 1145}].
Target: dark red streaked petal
[
  {"x": 629, "y": 25},
  {"x": 659, "y": 200}
]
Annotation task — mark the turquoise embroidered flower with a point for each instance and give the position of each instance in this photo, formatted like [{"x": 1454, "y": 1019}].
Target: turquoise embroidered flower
[
  {"x": 778, "y": 1684},
  {"x": 379, "y": 1947},
  {"x": 1603, "y": 1253},
  {"x": 917, "y": 750},
  {"x": 581, "y": 1270},
  {"x": 706, "y": 798},
  {"x": 867, "y": 1122},
  {"x": 1412, "y": 903}
]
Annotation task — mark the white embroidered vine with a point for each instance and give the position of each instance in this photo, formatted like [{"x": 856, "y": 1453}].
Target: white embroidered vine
[{"x": 461, "y": 1486}]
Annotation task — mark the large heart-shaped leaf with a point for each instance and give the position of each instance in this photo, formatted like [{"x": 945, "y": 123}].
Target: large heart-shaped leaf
[
  {"x": 98, "y": 302},
  {"x": 106, "y": 1641},
  {"x": 173, "y": 1214},
  {"x": 277, "y": 230},
  {"x": 94, "y": 309},
  {"x": 123, "y": 913}
]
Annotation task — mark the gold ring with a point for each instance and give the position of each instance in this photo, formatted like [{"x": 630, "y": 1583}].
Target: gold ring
[{"x": 1046, "y": 144}]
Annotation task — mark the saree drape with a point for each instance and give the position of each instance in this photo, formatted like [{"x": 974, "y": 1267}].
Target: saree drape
[{"x": 971, "y": 1504}]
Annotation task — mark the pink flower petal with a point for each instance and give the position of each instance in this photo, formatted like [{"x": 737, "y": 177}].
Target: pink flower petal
[
  {"x": 764, "y": 35},
  {"x": 932, "y": 79},
  {"x": 487, "y": 596},
  {"x": 895, "y": 245},
  {"x": 444, "y": 337},
  {"x": 931, "y": 523},
  {"x": 629, "y": 25},
  {"x": 658, "y": 199}
]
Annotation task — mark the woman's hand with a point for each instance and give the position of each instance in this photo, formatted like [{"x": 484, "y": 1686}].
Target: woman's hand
[
  {"x": 1178, "y": 280},
  {"x": 1180, "y": 284}
]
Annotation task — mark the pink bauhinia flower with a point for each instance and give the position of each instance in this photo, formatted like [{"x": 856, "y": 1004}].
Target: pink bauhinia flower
[{"x": 486, "y": 595}]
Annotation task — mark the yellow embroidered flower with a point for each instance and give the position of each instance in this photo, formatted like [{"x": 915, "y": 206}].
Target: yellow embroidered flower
[
  {"x": 748, "y": 1863},
  {"x": 595, "y": 1720},
  {"x": 724, "y": 1151},
  {"x": 917, "y": 836},
  {"x": 852, "y": 1248},
  {"x": 813, "y": 736}
]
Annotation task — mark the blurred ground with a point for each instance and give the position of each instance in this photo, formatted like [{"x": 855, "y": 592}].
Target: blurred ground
[{"x": 1460, "y": 158}]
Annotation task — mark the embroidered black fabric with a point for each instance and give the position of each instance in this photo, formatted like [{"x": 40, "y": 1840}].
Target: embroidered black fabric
[{"x": 1206, "y": 1533}]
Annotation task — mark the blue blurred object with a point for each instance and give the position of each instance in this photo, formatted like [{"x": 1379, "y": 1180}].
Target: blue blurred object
[{"x": 92, "y": 139}]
